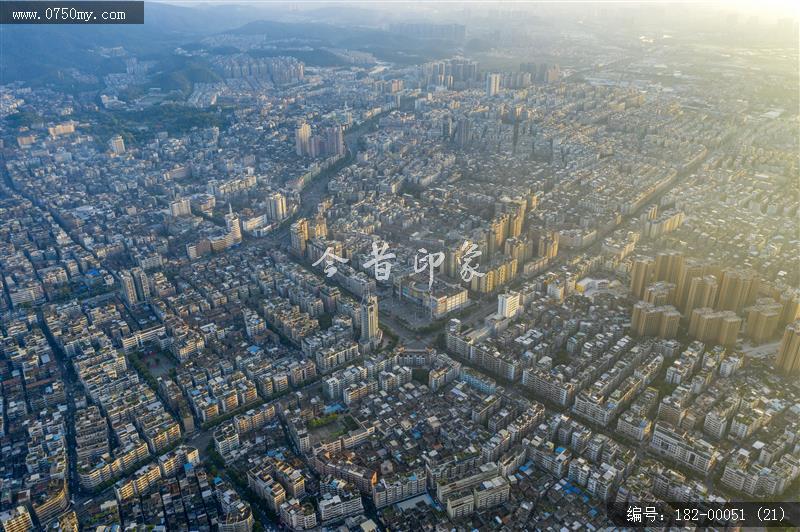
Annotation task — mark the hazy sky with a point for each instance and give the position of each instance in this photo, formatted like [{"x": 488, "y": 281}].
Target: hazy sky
[
  {"x": 761, "y": 8},
  {"x": 781, "y": 8}
]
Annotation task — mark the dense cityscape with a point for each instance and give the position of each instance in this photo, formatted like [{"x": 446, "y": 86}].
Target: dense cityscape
[{"x": 512, "y": 269}]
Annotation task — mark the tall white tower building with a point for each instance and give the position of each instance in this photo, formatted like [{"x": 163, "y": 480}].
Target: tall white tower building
[
  {"x": 233, "y": 225},
  {"x": 369, "y": 319}
]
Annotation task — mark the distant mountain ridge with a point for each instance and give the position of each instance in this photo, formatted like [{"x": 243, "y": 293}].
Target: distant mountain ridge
[
  {"x": 37, "y": 54},
  {"x": 45, "y": 54}
]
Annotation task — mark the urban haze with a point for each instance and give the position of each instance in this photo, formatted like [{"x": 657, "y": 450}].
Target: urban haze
[{"x": 423, "y": 266}]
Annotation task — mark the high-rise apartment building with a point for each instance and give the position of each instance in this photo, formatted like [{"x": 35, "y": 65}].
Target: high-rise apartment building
[
  {"x": 738, "y": 288},
  {"x": 117, "y": 144},
  {"x": 334, "y": 141},
  {"x": 652, "y": 320},
  {"x": 302, "y": 140},
  {"x": 127, "y": 287},
  {"x": 492, "y": 84},
  {"x": 791, "y": 306},
  {"x": 134, "y": 285},
  {"x": 447, "y": 128},
  {"x": 789, "y": 350},
  {"x": 763, "y": 319},
  {"x": 299, "y": 237},
  {"x": 668, "y": 265},
  {"x": 142, "y": 284},
  {"x": 546, "y": 244},
  {"x": 463, "y": 134},
  {"x": 717, "y": 326},
  {"x": 689, "y": 269},
  {"x": 369, "y": 319},
  {"x": 318, "y": 228},
  {"x": 234, "y": 226},
  {"x": 16, "y": 520},
  {"x": 702, "y": 293},
  {"x": 641, "y": 273},
  {"x": 508, "y": 304},
  {"x": 180, "y": 207},
  {"x": 276, "y": 206},
  {"x": 660, "y": 293}
]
